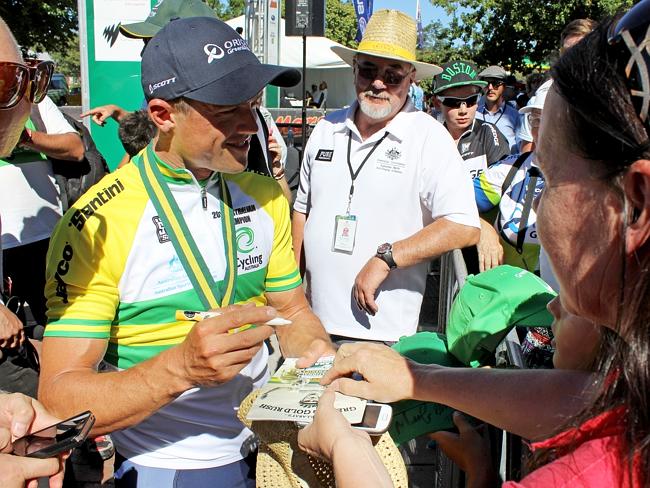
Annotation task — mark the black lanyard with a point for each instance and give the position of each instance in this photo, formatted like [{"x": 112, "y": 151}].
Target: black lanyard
[
  {"x": 497, "y": 121},
  {"x": 354, "y": 174}
]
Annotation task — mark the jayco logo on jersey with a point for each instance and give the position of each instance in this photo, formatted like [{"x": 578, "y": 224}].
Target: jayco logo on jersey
[
  {"x": 62, "y": 269},
  {"x": 216, "y": 51}
]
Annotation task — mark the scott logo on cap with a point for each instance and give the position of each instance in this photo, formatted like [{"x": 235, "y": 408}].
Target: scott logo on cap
[
  {"x": 215, "y": 51},
  {"x": 154, "y": 86}
]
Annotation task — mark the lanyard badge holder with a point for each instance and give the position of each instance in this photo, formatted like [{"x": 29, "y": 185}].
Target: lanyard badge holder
[{"x": 345, "y": 226}]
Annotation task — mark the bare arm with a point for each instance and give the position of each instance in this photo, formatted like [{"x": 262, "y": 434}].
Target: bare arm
[
  {"x": 305, "y": 337},
  {"x": 61, "y": 146},
  {"x": 102, "y": 113},
  {"x": 69, "y": 383},
  {"x": 529, "y": 403},
  {"x": 433, "y": 240},
  {"x": 298, "y": 234},
  {"x": 490, "y": 250},
  {"x": 330, "y": 436}
]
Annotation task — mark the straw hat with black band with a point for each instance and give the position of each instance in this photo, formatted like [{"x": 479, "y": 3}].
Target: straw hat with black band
[{"x": 390, "y": 34}]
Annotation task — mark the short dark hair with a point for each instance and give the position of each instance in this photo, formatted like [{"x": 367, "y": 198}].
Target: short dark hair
[
  {"x": 577, "y": 28},
  {"x": 136, "y": 131}
]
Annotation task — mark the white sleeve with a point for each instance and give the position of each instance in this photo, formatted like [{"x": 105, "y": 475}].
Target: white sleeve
[
  {"x": 446, "y": 186},
  {"x": 53, "y": 119},
  {"x": 523, "y": 132},
  {"x": 302, "y": 203}
]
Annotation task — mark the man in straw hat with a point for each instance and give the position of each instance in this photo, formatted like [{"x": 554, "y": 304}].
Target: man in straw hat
[
  {"x": 382, "y": 191},
  {"x": 181, "y": 228}
]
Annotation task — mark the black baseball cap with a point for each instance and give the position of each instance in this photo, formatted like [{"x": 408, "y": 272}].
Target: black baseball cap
[{"x": 204, "y": 59}]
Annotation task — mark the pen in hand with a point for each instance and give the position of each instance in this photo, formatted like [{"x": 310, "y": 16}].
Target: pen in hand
[{"x": 197, "y": 316}]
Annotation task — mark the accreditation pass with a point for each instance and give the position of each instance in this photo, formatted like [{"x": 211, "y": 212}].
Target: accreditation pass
[{"x": 345, "y": 229}]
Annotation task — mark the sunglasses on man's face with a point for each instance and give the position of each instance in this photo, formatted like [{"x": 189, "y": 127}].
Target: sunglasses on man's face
[
  {"x": 29, "y": 80},
  {"x": 496, "y": 83},
  {"x": 456, "y": 102},
  {"x": 371, "y": 72}
]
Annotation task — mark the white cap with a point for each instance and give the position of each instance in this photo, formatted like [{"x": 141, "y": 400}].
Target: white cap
[{"x": 538, "y": 99}]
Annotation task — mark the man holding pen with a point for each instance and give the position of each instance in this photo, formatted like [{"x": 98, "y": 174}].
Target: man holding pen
[{"x": 183, "y": 228}]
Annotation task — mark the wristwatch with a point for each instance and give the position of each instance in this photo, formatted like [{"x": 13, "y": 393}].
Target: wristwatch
[{"x": 385, "y": 253}]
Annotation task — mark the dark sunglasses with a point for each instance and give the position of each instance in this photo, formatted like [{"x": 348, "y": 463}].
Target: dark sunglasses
[
  {"x": 456, "y": 102},
  {"x": 496, "y": 83},
  {"x": 29, "y": 80},
  {"x": 388, "y": 77},
  {"x": 632, "y": 35}
]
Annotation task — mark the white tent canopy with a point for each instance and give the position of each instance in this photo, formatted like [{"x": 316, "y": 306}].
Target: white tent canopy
[{"x": 322, "y": 65}]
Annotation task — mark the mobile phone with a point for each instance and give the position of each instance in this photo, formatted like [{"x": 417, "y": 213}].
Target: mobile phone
[
  {"x": 376, "y": 419},
  {"x": 55, "y": 439}
]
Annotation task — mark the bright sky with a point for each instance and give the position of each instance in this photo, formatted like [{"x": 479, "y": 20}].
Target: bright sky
[{"x": 429, "y": 12}]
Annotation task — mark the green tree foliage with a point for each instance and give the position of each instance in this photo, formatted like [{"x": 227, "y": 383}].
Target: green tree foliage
[
  {"x": 228, "y": 9},
  {"x": 67, "y": 60},
  {"x": 41, "y": 25},
  {"x": 341, "y": 22},
  {"x": 507, "y": 31}
]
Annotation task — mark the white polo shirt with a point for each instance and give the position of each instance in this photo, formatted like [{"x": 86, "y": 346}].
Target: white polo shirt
[{"x": 414, "y": 177}]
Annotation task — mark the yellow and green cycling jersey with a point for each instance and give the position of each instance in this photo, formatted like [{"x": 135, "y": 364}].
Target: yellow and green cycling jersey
[{"x": 113, "y": 273}]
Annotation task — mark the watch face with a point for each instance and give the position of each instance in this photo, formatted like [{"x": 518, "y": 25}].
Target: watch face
[{"x": 385, "y": 247}]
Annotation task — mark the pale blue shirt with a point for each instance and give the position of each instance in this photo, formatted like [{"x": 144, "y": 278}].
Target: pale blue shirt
[{"x": 506, "y": 118}]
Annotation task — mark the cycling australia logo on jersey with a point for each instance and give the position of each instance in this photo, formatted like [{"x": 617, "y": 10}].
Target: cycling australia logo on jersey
[{"x": 245, "y": 239}]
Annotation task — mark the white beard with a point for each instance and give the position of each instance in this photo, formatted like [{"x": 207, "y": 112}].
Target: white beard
[{"x": 372, "y": 110}]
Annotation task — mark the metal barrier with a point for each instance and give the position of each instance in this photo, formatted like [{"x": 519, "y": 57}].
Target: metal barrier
[
  {"x": 508, "y": 448},
  {"x": 453, "y": 273}
]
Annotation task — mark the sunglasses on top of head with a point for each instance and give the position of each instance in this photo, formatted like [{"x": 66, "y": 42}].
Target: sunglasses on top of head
[
  {"x": 29, "y": 80},
  {"x": 456, "y": 102},
  {"x": 371, "y": 72},
  {"x": 630, "y": 36}
]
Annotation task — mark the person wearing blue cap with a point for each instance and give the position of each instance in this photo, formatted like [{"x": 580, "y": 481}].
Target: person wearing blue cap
[{"x": 182, "y": 227}]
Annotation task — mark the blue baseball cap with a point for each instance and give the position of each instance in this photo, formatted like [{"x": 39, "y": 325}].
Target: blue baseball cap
[{"x": 204, "y": 59}]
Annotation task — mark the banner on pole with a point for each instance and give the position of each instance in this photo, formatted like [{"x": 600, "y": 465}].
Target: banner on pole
[
  {"x": 363, "y": 9},
  {"x": 418, "y": 19}
]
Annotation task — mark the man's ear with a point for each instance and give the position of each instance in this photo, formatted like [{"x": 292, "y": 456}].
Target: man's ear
[
  {"x": 162, "y": 114},
  {"x": 636, "y": 185}
]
